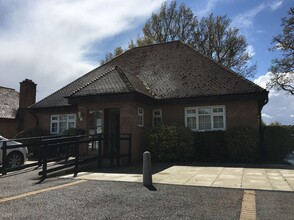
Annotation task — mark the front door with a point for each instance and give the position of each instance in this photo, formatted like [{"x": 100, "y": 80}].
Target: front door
[
  {"x": 106, "y": 121},
  {"x": 112, "y": 130},
  {"x": 96, "y": 122}
]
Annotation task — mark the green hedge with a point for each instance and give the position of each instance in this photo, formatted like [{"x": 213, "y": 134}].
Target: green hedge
[
  {"x": 210, "y": 146},
  {"x": 242, "y": 144},
  {"x": 278, "y": 142},
  {"x": 170, "y": 142}
]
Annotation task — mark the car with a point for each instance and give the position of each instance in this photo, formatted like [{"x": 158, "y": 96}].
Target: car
[
  {"x": 290, "y": 158},
  {"x": 15, "y": 156}
]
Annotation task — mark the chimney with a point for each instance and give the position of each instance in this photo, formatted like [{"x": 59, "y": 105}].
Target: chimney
[{"x": 27, "y": 93}]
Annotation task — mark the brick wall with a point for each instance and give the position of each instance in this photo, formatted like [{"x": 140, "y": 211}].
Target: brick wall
[{"x": 238, "y": 113}]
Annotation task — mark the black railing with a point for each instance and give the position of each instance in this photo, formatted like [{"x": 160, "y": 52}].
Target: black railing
[
  {"x": 33, "y": 142},
  {"x": 73, "y": 143}
]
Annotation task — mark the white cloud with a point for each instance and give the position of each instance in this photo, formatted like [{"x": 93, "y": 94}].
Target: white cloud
[
  {"x": 266, "y": 116},
  {"x": 280, "y": 106},
  {"x": 47, "y": 41},
  {"x": 245, "y": 20},
  {"x": 210, "y": 4},
  {"x": 276, "y": 4},
  {"x": 250, "y": 50}
]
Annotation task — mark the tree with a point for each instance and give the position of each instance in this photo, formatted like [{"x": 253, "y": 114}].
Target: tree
[
  {"x": 212, "y": 36},
  {"x": 215, "y": 38},
  {"x": 169, "y": 24},
  {"x": 109, "y": 56},
  {"x": 283, "y": 68}
]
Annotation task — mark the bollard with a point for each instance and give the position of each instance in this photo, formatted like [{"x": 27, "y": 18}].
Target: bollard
[{"x": 147, "y": 173}]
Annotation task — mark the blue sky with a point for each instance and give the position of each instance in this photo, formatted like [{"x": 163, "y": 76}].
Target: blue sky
[{"x": 54, "y": 42}]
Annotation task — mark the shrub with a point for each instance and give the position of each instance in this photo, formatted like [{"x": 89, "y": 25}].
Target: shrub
[
  {"x": 210, "y": 146},
  {"x": 242, "y": 144},
  {"x": 278, "y": 142},
  {"x": 170, "y": 142}
]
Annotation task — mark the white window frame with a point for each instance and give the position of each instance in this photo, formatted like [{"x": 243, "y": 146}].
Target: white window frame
[
  {"x": 141, "y": 115},
  {"x": 57, "y": 121},
  {"x": 156, "y": 116},
  {"x": 212, "y": 114}
]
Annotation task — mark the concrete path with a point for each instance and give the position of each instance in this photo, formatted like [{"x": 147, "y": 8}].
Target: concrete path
[{"x": 242, "y": 178}]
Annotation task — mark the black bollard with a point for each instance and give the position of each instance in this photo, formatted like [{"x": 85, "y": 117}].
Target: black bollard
[{"x": 147, "y": 172}]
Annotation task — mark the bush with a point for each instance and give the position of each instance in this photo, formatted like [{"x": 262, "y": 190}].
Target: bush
[
  {"x": 278, "y": 142},
  {"x": 242, "y": 144},
  {"x": 170, "y": 142},
  {"x": 210, "y": 146}
]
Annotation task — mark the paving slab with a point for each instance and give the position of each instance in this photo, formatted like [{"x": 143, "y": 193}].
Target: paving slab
[{"x": 224, "y": 177}]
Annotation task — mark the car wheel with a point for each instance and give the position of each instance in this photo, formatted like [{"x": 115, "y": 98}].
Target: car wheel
[{"x": 15, "y": 159}]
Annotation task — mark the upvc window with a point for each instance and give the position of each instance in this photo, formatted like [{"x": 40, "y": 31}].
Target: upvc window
[
  {"x": 60, "y": 123},
  {"x": 156, "y": 116},
  {"x": 140, "y": 117},
  {"x": 205, "y": 118}
]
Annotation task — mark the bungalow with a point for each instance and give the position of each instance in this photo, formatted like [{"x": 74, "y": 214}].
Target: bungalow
[{"x": 167, "y": 82}]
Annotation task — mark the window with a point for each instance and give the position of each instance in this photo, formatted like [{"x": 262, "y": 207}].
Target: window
[
  {"x": 205, "y": 118},
  {"x": 140, "y": 117},
  {"x": 60, "y": 123},
  {"x": 156, "y": 117}
]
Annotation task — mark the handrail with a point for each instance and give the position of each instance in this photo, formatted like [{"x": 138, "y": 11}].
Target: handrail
[{"x": 46, "y": 142}]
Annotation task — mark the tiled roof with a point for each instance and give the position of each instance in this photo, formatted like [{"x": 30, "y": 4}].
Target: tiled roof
[
  {"x": 113, "y": 81},
  {"x": 9, "y": 102},
  {"x": 163, "y": 71}
]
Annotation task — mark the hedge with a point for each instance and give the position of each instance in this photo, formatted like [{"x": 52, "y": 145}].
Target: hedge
[
  {"x": 170, "y": 142},
  {"x": 278, "y": 142},
  {"x": 242, "y": 144}
]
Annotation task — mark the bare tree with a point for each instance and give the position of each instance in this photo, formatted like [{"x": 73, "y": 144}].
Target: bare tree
[{"x": 283, "y": 68}]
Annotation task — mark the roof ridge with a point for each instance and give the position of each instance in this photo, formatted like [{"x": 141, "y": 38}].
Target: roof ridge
[
  {"x": 3, "y": 87},
  {"x": 90, "y": 82},
  {"x": 138, "y": 47}
]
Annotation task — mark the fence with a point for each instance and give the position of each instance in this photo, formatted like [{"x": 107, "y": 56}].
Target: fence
[{"x": 72, "y": 144}]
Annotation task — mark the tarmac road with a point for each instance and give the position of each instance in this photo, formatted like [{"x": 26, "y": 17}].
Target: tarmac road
[{"x": 57, "y": 198}]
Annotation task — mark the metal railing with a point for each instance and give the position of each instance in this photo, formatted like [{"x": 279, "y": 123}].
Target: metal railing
[{"x": 48, "y": 144}]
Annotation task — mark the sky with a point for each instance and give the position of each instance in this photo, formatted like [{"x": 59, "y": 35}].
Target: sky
[{"x": 53, "y": 42}]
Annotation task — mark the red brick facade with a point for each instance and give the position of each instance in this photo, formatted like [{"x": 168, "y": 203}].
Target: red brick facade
[{"x": 238, "y": 113}]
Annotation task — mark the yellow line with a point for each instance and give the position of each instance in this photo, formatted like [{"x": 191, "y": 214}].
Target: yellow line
[
  {"x": 40, "y": 191},
  {"x": 248, "y": 209}
]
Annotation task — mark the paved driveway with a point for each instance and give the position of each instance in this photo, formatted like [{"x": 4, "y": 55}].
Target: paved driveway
[
  {"x": 178, "y": 198},
  {"x": 243, "y": 178}
]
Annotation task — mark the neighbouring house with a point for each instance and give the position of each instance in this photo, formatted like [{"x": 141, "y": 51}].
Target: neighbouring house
[
  {"x": 167, "y": 82},
  {"x": 13, "y": 107}
]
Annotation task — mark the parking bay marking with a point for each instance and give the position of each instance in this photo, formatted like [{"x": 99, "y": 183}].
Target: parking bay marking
[
  {"x": 248, "y": 209},
  {"x": 41, "y": 191}
]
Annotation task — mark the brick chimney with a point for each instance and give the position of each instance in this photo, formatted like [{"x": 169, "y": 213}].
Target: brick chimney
[{"x": 27, "y": 93}]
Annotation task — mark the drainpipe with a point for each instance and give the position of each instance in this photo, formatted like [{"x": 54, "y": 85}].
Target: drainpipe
[{"x": 261, "y": 130}]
